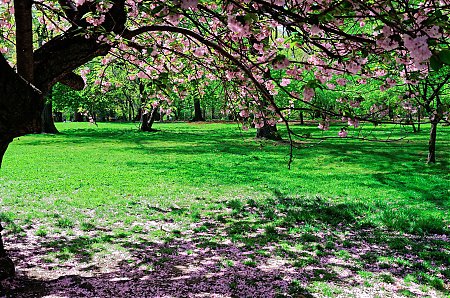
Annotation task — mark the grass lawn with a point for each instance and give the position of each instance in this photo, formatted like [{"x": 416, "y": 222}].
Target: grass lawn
[{"x": 205, "y": 209}]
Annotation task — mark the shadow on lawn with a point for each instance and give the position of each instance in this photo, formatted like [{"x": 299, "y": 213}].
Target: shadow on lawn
[{"x": 282, "y": 247}]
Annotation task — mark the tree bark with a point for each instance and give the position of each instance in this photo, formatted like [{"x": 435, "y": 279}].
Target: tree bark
[
  {"x": 148, "y": 119},
  {"x": 432, "y": 143},
  {"x": 7, "y": 268},
  {"x": 48, "y": 124},
  {"x": 198, "y": 116},
  {"x": 22, "y": 92},
  {"x": 24, "y": 39},
  {"x": 268, "y": 132},
  {"x": 3, "y": 146},
  {"x": 418, "y": 119}
]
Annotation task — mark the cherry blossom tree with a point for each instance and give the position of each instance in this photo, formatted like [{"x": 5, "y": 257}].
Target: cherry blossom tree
[{"x": 325, "y": 45}]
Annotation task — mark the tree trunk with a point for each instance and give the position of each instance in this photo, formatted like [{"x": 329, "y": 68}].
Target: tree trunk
[
  {"x": 48, "y": 125},
  {"x": 3, "y": 146},
  {"x": 268, "y": 132},
  {"x": 432, "y": 143},
  {"x": 7, "y": 268},
  {"x": 10, "y": 124},
  {"x": 411, "y": 120},
  {"x": 148, "y": 119},
  {"x": 24, "y": 39},
  {"x": 301, "y": 118},
  {"x": 418, "y": 119},
  {"x": 77, "y": 117},
  {"x": 197, "y": 111}
]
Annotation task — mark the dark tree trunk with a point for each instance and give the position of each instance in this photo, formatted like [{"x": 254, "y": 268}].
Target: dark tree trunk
[
  {"x": 14, "y": 98},
  {"x": 301, "y": 118},
  {"x": 432, "y": 143},
  {"x": 7, "y": 268},
  {"x": 24, "y": 39},
  {"x": 22, "y": 92},
  {"x": 48, "y": 125},
  {"x": 77, "y": 117},
  {"x": 411, "y": 120},
  {"x": 268, "y": 132},
  {"x": 148, "y": 119},
  {"x": 198, "y": 115},
  {"x": 418, "y": 119},
  {"x": 145, "y": 124},
  {"x": 3, "y": 146}
]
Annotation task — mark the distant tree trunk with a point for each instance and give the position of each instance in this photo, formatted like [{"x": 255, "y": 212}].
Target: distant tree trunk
[
  {"x": 197, "y": 110},
  {"x": 301, "y": 118},
  {"x": 432, "y": 142},
  {"x": 411, "y": 120},
  {"x": 148, "y": 119},
  {"x": 77, "y": 117},
  {"x": 268, "y": 132},
  {"x": 418, "y": 119},
  {"x": 145, "y": 124},
  {"x": 48, "y": 125},
  {"x": 58, "y": 117},
  {"x": 130, "y": 110}
]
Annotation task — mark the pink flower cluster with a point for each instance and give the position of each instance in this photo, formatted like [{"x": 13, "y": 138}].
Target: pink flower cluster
[
  {"x": 418, "y": 48},
  {"x": 186, "y": 4}
]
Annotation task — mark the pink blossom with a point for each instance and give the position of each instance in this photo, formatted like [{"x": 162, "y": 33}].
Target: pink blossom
[
  {"x": 174, "y": 19},
  {"x": 244, "y": 113},
  {"x": 258, "y": 124},
  {"x": 279, "y": 2},
  {"x": 353, "y": 122},
  {"x": 324, "y": 125},
  {"x": 285, "y": 82},
  {"x": 308, "y": 94},
  {"x": 186, "y": 4},
  {"x": 342, "y": 133},
  {"x": 258, "y": 46},
  {"x": 199, "y": 52},
  {"x": 315, "y": 30},
  {"x": 142, "y": 75},
  {"x": 280, "y": 64},
  {"x": 96, "y": 21},
  {"x": 341, "y": 81},
  {"x": 418, "y": 48},
  {"x": 354, "y": 103},
  {"x": 79, "y": 2}
]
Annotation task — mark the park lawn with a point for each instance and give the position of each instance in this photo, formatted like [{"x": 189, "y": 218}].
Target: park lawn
[{"x": 349, "y": 218}]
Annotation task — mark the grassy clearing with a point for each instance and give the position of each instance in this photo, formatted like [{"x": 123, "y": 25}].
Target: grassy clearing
[{"x": 349, "y": 218}]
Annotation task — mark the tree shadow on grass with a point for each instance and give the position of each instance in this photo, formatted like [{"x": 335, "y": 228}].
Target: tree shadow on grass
[
  {"x": 280, "y": 247},
  {"x": 177, "y": 267}
]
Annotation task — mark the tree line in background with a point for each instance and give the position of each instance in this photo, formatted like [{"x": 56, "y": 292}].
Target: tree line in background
[{"x": 131, "y": 100}]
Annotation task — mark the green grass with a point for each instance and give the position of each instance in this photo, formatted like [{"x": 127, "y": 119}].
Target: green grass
[{"x": 233, "y": 187}]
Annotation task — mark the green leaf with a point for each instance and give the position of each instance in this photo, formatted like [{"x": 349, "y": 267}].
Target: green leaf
[
  {"x": 444, "y": 56},
  {"x": 435, "y": 63},
  {"x": 157, "y": 9}
]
